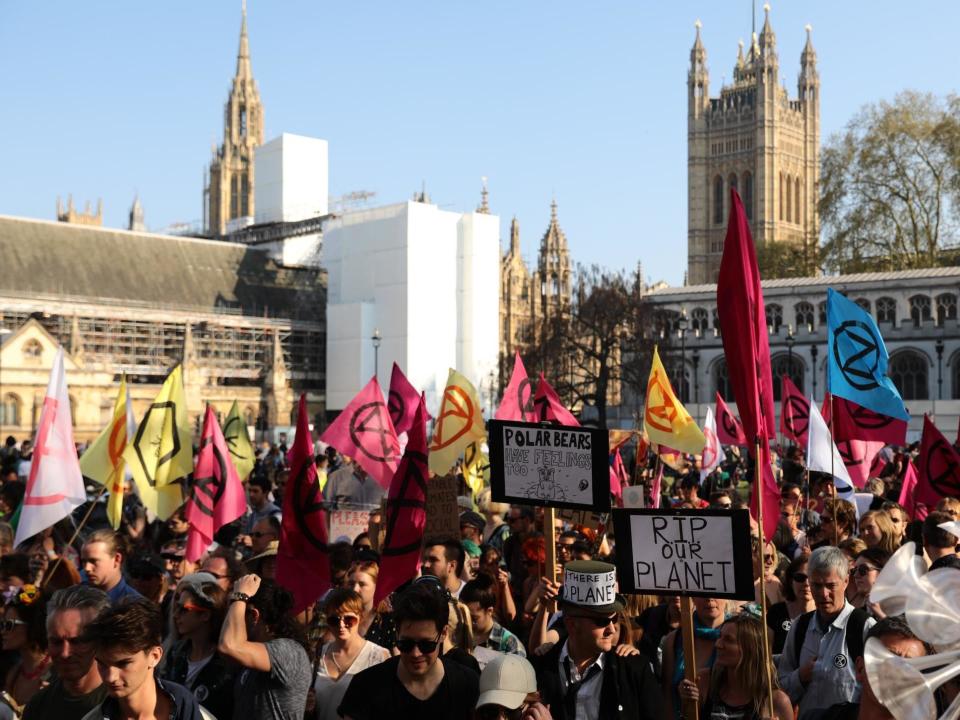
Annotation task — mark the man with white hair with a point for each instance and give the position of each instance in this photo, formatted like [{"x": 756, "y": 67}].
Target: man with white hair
[{"x": 817, "y": 665}]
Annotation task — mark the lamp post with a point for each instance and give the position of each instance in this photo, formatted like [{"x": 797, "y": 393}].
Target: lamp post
[
  {"x": 939, "y": 348},
  {"x": 813, "y": 356},
  {"x": 4, "y": 331},
  {"x": 695, "y": 357},
  {"x": 377, "y": 337},
  {"x": 682, "y": 327},
  {"x": 790, "y": 340}
]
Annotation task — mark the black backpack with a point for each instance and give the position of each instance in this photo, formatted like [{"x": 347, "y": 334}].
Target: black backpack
[{"x": 855, "y": 624}]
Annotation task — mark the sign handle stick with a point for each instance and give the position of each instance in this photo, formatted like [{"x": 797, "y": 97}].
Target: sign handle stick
[
  {"x": 767, "y": 660},
  {"x": 550, "y": 541},
  {"x": 691, "y": 708},
  {"x": 93, "y": 503},
  {"x": 833, "y": 478}
]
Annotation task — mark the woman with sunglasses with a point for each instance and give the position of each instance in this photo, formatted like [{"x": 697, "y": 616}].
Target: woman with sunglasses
[
  {"x": 24, "y": 632},
  {"x": 767, "y": 578},
  {"x": 799, "y": 600},
  {"x": 346, "y": 655},
  {"x": 864, "y": 574},
  {"x": 194, "y": 661}
]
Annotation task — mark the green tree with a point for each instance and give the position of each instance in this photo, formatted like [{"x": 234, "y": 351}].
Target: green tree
[{"x": 889, "y": 186}]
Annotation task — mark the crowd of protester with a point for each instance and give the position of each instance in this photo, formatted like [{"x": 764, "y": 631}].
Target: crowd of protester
[{"x": 119, "y": 624}]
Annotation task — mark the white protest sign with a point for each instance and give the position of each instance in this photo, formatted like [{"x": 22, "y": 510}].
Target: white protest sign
[
  {"x": 551, "y": 465},
  {"x": 345, "y": 525},
  {"x": 704, "y": 553}
]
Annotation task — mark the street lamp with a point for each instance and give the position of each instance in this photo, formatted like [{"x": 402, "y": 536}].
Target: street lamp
[
  {"x": 813, "y": 356},
  {"x": 695, "y": 356},
  {"x": 939, "y": 348},
  {"x": 790, "y": 341},
  {"x": 377, "y": 337},
  {"x": 4, "y": 331},
  {"x": 682, "y": 326}
]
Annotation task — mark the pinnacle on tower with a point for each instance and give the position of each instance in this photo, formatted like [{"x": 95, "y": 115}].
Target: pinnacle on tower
[
  {"x": 515, "y": 237},
  {"x": 767, "y": 37},
  {"x": 484, "y": 207},
  {"x": 243, "y": 54}
]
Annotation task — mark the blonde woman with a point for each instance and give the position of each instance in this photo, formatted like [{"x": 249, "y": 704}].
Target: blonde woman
[
  {"x": 736, "y": 687},
  {"x": 877, "y": 530}
]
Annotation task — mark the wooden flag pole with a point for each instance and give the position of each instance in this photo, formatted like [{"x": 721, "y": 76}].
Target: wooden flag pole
[
  {"x": 93, "y": 503},
  {"x": 550, "y": 542},
  {"x": 691, "y": 708},
  {"x": 767, "y": 660}
]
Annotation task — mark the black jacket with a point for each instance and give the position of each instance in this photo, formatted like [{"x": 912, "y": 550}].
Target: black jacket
[
  {"x": 213, "y": 686},
  {"x": 629, "y": 688}
]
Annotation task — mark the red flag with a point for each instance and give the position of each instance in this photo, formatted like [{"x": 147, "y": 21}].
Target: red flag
[
  {"x": 743, "y": 326},
  {"x": 907, "y": 497},
  {"x": 402, "y": 401},
  {"x": 217, "y": 496},
  {"x": 406, "y": 514},
  {"x": 854, "y": 422},
  {"x": 548, "y": 408},
  {"x": 794, "y": 412},
  {"x": 517, "y": 402},
  {"x": 303, "y": 560},
  {"x": 858, "y": 455},
  {"x": 938, "y": 471},
  {"x": 618, "y": 475},
  {"x": 771, "y": 494},
  {"x": 364, "y": 431},
  {"x": 729, "y": 429}
]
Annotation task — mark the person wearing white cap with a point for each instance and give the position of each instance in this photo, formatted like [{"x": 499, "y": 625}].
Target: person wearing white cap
[
  {"x": 583, "y": 678},
  {"x": 508, "y": 689}
]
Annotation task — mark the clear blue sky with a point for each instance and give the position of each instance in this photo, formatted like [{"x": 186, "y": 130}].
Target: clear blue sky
[{"x": 586, "y": 101}]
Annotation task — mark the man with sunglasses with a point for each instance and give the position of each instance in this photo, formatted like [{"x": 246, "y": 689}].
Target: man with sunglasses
[
  {"x": 419, "y": 683},
  {"x": 583, "y": 678}
]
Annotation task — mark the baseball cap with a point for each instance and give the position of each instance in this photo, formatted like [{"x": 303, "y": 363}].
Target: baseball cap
[
  {"x": 506, "y": 681},
  {"x": 473, "y": 519}
]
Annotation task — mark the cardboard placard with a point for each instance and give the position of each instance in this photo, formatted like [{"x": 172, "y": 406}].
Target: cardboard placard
[
  {"x": 443, "y": 512},
  {"x": 581, "y": 517},
  {"x": 692, "y": 553},
  {"x": 549, "y": 465},
  {"x": 346, "y": 524}
]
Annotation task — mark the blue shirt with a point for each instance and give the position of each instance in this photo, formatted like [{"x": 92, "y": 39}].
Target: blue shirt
[{"x": 122, "y": 590}]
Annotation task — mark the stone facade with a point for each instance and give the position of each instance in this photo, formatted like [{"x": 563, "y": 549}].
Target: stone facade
[
  {"x": 755, "y": 138},
  {"x": 228, "y": 194}
]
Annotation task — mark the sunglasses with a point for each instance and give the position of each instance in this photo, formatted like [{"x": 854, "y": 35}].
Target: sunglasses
[
  {"x": 190, "y": 607},
  {"x": 862, "y": 570},
  {"x": 724, "y": 505},
  {"x": 800, "y": 577},
  {"x": 495, "y": 712},
  {"x": 600, "y": 622},
  {"x": 172, "y": 558},
  {"x": 406, "y": 645},
  {"x": 767, "y": 558},
  {"x": 8, "y": 625},
  {"x": 348, "y": 621}
]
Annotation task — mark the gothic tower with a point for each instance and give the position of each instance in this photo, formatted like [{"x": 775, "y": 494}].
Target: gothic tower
[
  {"x": 554, "y": 288},
  {"x": 516, "y": 303},
  {"x": 758, "y": 140},
  {"x": 229, "y": 190}
]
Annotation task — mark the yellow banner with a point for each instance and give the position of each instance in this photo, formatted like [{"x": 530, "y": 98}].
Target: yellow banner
[
  {"x": 103, "y": 460},
  {"x": 665, "y": 419},
  {"x": 459, "y": 423},
  {"x": 238, "y": 442}
]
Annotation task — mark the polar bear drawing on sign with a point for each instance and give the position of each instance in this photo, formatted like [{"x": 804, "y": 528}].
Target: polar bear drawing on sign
[{"x": 545, "y": 487}]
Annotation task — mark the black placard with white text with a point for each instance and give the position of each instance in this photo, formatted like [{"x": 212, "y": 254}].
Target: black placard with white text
[
  {"x": 696, "y": 553},
  {"x": 550, "y": 465}
]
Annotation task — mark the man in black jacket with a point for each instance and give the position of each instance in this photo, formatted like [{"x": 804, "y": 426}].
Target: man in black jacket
[{"x": 583, "y": 678}]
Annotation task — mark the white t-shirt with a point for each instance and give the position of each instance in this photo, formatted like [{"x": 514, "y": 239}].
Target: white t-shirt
[{"x": 330, "y": 691}]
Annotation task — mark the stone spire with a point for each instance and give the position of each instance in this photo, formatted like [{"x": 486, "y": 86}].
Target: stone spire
[
  {"x": 515, "y": 237},
  {"x": 808, "y": 60},
  {"x": 136, "y": 222},
  {"x": 768, "y": 40},
  {"x": 243, "y": 54},
  {"x": 698, "y": 78},
  {"x": 484, "y": 207}
]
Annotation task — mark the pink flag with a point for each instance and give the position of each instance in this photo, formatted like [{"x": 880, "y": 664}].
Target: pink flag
[
  {"x": 857, "y": 455},
  {"x": 655, "y": 488},
  {"x": 794, "y": 412},
  {"x": 402, "y": 401},
  {"x": 303, "y": 560},
  {"x": 854, "y": 422},
  {"x": 729, "y": 429},
  {"x": 364, "y": 431},
  {"x": 548, "y": 407},
  {"x": 55, "y": 485},
  {"x": 771, "y": 493},
  {"x": 938, "y": 467},
  {"x": 618, "y": 475},
  {"x": 517, "y": 402},
  {"x": 217, "y": 496},
  {"x": 406, "y": 515},
  {"x": 908, "y": 490}
]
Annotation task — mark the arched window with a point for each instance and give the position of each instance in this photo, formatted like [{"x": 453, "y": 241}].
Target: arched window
[
  {"x": 732, "y": 181},
  {"x": 681, "y": 385},
  {"x": 234, "y": 197},
  {"x": 721, "y": 381},
  {"x": 716, "y": 320},
  {"x": 887, "y": 310},
  {"x": 699, "y": 320},
  {"x": 32, "y": 350},
  {"x": 803, "y": 312},
  {"x": 10, "y": 410},
  {"x": 748, "y": 194},
  {"x": 946, "y": 307},
  {"x": 788, "y": 364},
  {"x": 249, "y": 416},
  {"x": 796, "y": 200},
  {"x": 774, "y": 317},
  {"x": 864, "y": 303},
  {"x": 789, "y": 198},
  {"x": 909, "y": 371},
  {"x": 718, "y": 200},
  {"x": 781, "y": 196},
  {"x": 822, "y": 311},
  {"x": 919, "y": 309}
]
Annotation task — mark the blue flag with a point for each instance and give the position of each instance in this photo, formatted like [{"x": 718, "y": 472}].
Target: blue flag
[{"x": 857, "y": 359}]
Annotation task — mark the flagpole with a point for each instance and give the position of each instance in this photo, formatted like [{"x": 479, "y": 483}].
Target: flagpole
[
  {"x": 767, "y": 661},
  {"x": 833, "y": 478},
  {"x": 49, "y": 574}
]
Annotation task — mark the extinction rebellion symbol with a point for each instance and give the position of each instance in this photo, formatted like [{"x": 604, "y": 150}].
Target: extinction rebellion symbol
[
  {"x": 369, "y": 432},
  {"x": 858, "y": 364}
]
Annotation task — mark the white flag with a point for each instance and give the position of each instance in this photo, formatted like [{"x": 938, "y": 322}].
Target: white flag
[
  {"x": 819, "y": 448},
  {"x": 55, "y": 486},
  {"x": 712, "y": 453}
]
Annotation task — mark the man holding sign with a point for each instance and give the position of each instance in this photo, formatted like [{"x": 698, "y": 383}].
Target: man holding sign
[{"x": 583, "y": 678}]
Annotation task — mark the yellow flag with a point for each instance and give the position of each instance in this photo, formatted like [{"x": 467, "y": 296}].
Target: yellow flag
[
  {"x": 665, "y": 419},
  {"x": 238, "y": 442},
  {"x": 161, "y": 453},
  {"x": 458, "y": 423},
  {"x": 476, "y": 467},
  {"x": 103, "y": 460}
]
